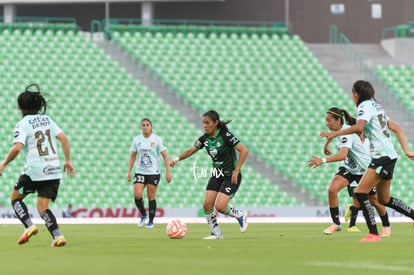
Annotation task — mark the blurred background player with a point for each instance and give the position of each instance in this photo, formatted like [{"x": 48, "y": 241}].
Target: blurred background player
[
  {"x": 377, "y": 126},
  {"x": 355, "y": 157},
  {"x": 146, "y": 149},
  {"x": 221, "y": 146},
  {"x": 36, "y": 134}
]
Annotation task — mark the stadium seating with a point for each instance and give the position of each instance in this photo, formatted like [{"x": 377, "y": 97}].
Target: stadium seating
[{"x": 99, "y": 106}]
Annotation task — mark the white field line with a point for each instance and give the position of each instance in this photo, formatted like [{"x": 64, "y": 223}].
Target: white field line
[{"x": 364, "y": 266}]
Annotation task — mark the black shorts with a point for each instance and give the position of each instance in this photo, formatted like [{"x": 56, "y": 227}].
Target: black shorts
[
  {"x": 45, "y": 189},
  {"x": 224, "y": 185},
  {"x": 384, "y": 167},
  {"x": 147, "y": 179},
  {"x": 343, "y": 172}
]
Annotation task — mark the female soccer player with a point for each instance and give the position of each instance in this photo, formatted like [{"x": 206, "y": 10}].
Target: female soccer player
[
  {"x": 221, "y": 146},
  {"x": 354, "y": 154},
  {"x": 147, "y": 147},
  {"x": 373, "y": 120},
  {"x": 36, "y": 134}
]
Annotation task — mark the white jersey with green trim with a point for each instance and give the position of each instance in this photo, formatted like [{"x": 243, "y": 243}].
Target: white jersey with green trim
[
  {"x": 38, "y": 135},
  {"x": 148, "y": 154},
  {"x": 376, "y": 129},
  {"x": 358, "y": 157}
]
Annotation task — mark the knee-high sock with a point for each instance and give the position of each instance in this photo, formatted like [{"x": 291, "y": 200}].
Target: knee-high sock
[
  {"x": 354, "y": 215},
  {"x": 140, "y": 205},
  {"x": 368, "y": 211},
  {"x": 20, "y": 209},
  {"x": 212, "y": 222},
  {"x": 51, "y": 223},
  {"x": 335, "y": 215},
  {"x": 233, "y": 212},
  {"x": 152, "y": 209},
  {"x": 401, "y": 207},
  {"x": 385, "y": 220}
]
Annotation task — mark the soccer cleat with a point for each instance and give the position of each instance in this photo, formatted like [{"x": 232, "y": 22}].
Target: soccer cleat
[
  {"x": 371, "y": 238},
  {"x": 60, "y": 241},
  {"x": 214, "y": 237},
  {"x": 243, "y": 222},
  {"x": 142, "y": 221},
  {"x": 353, "y": 229},
  {"x": 347, "y": 215},
  {"x": 386, "y": 231},
  {"x": 150, "y": 225},
  {"x": 27, "y": 233},
  {"x": 332, "y": 229}
]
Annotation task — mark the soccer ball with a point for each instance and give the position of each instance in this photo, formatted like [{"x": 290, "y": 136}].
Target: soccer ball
[{"x": 176, "y": 229}]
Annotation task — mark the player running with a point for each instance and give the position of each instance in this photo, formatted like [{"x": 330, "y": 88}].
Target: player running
[{"x": 221, "y": 146}]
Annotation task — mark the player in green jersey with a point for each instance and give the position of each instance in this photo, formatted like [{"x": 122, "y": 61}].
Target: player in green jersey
[
  {"x": 36, "y": 134},
  {"x": 221, "y": 146},
  {"x": 373, "y": 120}
]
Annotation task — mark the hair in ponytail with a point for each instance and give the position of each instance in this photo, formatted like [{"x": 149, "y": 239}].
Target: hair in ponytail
[
  {"x": 32, "y": 102},
  {"x": 342, "y": 114},
  {"x": 214, "y": 116}
]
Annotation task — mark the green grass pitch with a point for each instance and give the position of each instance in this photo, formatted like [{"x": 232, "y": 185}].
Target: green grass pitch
[{"x": 264, "y": 249}]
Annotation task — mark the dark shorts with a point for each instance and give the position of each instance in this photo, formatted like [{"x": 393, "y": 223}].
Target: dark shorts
[
  {"x": 147, "y": 179},
  {"x": 45, "y": 189},
  {"x": 384, "y": 167},
  {"x": 224, "y": 185},
  {"x": 343, "y": 172}
]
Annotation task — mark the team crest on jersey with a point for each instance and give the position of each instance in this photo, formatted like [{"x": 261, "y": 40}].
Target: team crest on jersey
[
  {"x": 152, "y": 143},
  {"x": 218, "y": 144}
]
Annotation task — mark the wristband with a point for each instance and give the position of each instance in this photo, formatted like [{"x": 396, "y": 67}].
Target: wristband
[
  {"x": 323, "y": 160},
  {"x": 176, "y": 159}
]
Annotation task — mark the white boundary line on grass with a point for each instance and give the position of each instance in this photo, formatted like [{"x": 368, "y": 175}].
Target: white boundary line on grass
[{"x": 161, "y": 220}]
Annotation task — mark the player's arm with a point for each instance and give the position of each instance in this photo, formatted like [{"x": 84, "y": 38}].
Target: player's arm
[
  {"x": 401, "y": 138},
  {"x": 132, "y": 159},
  {"x": 243, "y": 152},
  {"x": 67, "y": 166},
  {"x": 356, "y": 128},
  {"x": 167, "y": 166},
  {"x": 316, "y": 161},
  {"x": 187, "y": 153},
  {"x": 14, "y": 151}
]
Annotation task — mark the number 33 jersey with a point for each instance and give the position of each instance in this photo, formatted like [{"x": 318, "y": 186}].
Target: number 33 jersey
[{"x": 38, "y": 135}]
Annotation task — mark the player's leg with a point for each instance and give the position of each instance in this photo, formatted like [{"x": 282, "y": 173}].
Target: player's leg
[
  {"x": 386, "y": 226},
  {"x": 47, "y": 191},
  {"x": 152, "y": 203},
  {"x": 384, "y": 197},
  {"x": 20, "y": 208},
  {"x": 139, "y": 202},
  {"x": 353, "y": 214},
  {"x": 227, "y": 191},
  {"x": 336, "y": 185},
  {"x": 368, "y": 181},
  {"x": 208, "y": 206}
]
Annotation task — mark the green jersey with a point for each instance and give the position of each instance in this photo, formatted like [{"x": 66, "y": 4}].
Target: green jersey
[{"x": 221, "y": 149}]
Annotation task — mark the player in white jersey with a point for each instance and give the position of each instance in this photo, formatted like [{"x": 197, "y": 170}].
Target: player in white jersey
[
  {"x": 145, "y": 154},
  {"x": 377, "y": 126},
  {"x": 36, "y": 135},
  {"x": 355, "y": 159}
]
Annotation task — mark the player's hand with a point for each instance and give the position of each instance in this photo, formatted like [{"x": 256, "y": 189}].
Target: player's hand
[
  {"x": 410, "y": 155},
  {"x": 168, "y": 177},
  {"x": 68, "y": 168},
  {"x": 129, "y": 177},
  {"x": 235, "y": 176},
  {"x": 315, "y": 162},
  {"x": 327, "y": 135},
  {"x": 327, "y": 151},
  {"x": 174, "y": 161}
]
